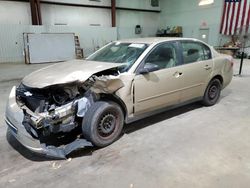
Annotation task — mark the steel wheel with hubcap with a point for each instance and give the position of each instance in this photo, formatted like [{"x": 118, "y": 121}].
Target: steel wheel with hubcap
[
  {"x": 212, "y": 93},
  {"x": 103, "y": 123}
]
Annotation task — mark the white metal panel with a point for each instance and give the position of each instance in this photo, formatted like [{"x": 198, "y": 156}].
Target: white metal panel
[{"x": 51, "y": 47}]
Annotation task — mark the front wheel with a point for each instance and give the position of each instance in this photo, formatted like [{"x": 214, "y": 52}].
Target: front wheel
[
  {"x": 212, "y": 93},
  {"x": 103, "y": 123}
]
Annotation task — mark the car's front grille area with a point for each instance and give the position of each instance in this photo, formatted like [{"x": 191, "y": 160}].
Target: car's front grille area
[{"x": 30, "y": 97}]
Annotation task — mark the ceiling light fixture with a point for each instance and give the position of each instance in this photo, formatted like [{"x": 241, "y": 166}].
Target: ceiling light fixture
[{"x": 205, "y": 2}]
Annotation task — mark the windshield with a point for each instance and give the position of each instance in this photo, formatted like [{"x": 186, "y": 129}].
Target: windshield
[{"x": 124, "y": 53}]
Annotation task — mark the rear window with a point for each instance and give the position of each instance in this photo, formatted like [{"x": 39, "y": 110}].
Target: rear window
[{"x": 195, "y": 51}]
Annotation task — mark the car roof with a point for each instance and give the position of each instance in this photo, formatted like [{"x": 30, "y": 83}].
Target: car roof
[{"x": 152, "y": 40}]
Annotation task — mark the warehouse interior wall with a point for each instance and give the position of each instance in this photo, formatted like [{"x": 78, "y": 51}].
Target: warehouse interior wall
[
  {"x": 90, "y": 38},
  {"x": 193, "y": 17},
  {"x": 127, "y": 20},
  {"x": 92, "y": 25},
  {"x": 126, "y": 23},
  {"x": 15, "y": 13},
  {"x": 75, "y": 16}
]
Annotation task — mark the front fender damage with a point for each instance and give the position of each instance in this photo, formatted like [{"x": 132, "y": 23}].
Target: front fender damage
[
  {"x": 56, "y": 117},
  {"x": 106, "y": 84}
]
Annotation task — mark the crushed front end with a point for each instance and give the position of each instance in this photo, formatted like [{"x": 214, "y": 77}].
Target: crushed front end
[{"x": 47, "y": 120}]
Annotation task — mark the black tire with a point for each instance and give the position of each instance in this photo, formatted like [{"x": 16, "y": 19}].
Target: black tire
[
  {"x": 103, "y": 123},
  {"x": 212, "y": 93}
]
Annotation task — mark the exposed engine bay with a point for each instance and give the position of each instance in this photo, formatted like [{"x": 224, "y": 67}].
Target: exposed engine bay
[{"x": 57, "y": 110}]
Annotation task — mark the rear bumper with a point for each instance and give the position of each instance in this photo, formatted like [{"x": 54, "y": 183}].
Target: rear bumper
[
  {"x": 227, "y": 78},
  {"x": 14, "y": 117}
]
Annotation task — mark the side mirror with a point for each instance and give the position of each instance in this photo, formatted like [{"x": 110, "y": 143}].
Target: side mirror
[{"x": 149, "y": 67}]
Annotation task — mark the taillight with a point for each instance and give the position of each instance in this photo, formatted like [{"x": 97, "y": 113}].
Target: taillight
[{"x": 232, "y": 63}]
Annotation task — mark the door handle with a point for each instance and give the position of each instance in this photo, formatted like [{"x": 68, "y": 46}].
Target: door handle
[
  {"x": 177, "y": 74},
  {"x": 207, "y": 67}
]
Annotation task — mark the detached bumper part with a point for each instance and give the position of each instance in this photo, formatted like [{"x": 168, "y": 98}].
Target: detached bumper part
[
  {"x": 14, "y": 118},
  {"x": 62, "y": 152}
]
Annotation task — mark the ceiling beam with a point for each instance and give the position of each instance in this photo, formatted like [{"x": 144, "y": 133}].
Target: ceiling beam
[
  {"x": 113, "y": 13},
  {"x": 35, "y": 9},
  {"x": 92, "y": 6}
]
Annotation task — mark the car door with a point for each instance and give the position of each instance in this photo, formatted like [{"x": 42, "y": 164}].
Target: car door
[
  {"x": 160, "y": 88},
  {"x": 196, "y": 69}
]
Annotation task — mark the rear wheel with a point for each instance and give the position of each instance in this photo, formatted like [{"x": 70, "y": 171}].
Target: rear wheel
[
  {"x": 212, "y": 93},
  {"x": 103, "y": 123}
]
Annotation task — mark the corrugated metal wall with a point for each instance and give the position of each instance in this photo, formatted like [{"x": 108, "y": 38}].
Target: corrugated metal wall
[{"x": 11, "y": 38}]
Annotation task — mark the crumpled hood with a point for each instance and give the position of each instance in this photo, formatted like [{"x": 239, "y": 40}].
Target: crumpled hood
[{"x": 66, "y": 72}]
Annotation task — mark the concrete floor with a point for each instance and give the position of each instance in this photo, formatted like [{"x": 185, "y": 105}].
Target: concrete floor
[{"x": 192, "y": 146}]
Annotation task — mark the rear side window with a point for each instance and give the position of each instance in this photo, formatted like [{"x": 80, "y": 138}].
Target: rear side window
[{"x": 195, "y": 51}]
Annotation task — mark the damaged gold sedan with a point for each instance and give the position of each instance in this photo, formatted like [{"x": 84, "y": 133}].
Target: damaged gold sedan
[{"x": 91, "y": 99}]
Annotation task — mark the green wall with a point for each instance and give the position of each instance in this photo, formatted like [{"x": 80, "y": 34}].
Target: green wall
[{"x": 190, "y": 16}]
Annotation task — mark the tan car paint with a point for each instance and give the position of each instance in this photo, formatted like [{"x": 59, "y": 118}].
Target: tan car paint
[
  {"x": 67, "y": 72},
  {"x": 107, "y": 84},
  {"x": 156, "y": 90},
  {"x": 223, "y": 66},
  {"x": 193, "y": 84},
  {"x": 126, "y": 93},
  {"x": 195, "y": 77}
]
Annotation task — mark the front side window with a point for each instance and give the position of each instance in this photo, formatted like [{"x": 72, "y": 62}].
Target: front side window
[
  {"x": 164, "y": 56},
  {"x": 194, "y": 51},
  {"x": 122, "y": 53}
]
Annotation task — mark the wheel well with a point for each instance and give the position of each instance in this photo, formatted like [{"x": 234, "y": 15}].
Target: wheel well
[
  {"x": 219, "y": 77},
  {"x": 117, "y": 100}
]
